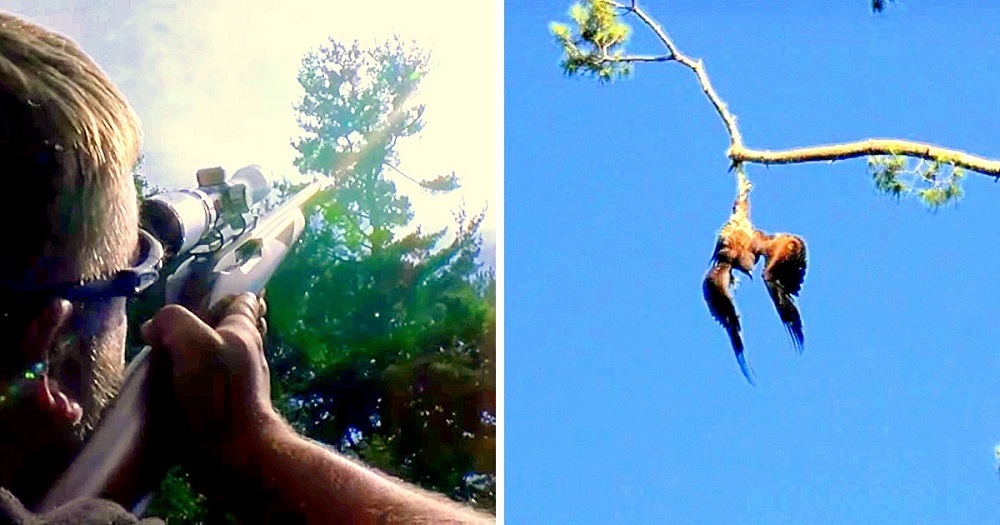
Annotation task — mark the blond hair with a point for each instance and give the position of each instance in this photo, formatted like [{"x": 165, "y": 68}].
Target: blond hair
[{"x": 69, "y": 142}]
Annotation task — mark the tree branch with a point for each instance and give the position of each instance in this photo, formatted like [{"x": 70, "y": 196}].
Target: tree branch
[
  {"x": 397, "y": 170},
  {"x": 739, "y": 153},
  {"x": 697, "y": 67}
]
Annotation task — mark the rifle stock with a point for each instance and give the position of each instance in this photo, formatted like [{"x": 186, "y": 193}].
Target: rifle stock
[{"x": 128, "y": 454}]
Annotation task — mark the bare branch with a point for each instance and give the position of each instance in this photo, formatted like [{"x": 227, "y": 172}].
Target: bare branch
[
  {"x": 397, "y": 170},
  {"x": 735, "y": 139},
  {"x": 739, "y": 153},
  {"x": 442, "y": 183},
  {"x": 864, "y": 148}
]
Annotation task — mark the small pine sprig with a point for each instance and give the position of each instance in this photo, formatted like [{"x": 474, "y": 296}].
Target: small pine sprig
[
  {"x": 442, "y": 183},
  {"x": 592, "y": 47},
  {"x": 935, "y": 183}
]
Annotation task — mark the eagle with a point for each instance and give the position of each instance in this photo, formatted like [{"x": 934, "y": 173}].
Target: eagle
[{"x": 739, "y": 247}]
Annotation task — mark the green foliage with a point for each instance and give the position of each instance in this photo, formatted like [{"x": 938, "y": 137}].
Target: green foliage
[
  {"x": 934, "y": 183},
  {"x": 143, "y": 188},
  {"x": 595, "y": 44},
  {"x": 937, "y": 196},
  {"x": 441, "y": 184},
  {"x": 177, "y": 501},
  {"x": 390, "y": 355},
  {"x": 352, "y": 113},
  {"x": 885, "y": 173},
  {"x": 382, "y": 344}
]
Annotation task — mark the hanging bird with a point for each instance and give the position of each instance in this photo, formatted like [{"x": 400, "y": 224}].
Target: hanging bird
[{"x": 739, "y": 246}]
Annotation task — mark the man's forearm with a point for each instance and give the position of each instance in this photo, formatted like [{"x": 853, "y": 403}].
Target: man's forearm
[{"x": 300, "y": 480}]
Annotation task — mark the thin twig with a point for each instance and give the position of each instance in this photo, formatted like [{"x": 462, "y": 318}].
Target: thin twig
[
  {"x": 397, "y": 170},
  {"x": 637, "y": 58},
  {"x": 735, "y": 138}
]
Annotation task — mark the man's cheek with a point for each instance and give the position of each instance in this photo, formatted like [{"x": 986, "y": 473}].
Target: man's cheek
[
  {"x": 106, "y": 377},
  {"x": 101, "y": 330}
]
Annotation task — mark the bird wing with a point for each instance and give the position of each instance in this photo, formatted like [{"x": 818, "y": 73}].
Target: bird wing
[
  {"x": 784, "y": 272},
  {"x": 720, "y": 245},
  {"x": 720, "y": 304}
]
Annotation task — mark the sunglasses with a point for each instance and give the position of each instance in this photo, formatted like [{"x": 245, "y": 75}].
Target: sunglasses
[
  {"x": 20, "y": 303},
  {"x": 125, "y": 283}
]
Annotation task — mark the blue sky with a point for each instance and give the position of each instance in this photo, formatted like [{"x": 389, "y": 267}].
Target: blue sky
[{"x": 623, "y": 400}]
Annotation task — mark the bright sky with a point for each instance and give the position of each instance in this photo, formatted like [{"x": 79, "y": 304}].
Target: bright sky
[
  {"x": 214, "y": 82},
  {"x": 624, "y": 403}
]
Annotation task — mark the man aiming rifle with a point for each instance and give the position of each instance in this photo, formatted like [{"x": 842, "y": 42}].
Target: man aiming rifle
[{"x": 68, "y": 142}]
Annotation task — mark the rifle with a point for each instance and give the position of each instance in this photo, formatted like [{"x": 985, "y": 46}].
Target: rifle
[{"x": 210, "y": 244}]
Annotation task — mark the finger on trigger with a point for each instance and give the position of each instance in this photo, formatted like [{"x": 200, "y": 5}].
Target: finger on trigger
[
  {"x": 177, "y": 332},
  {"x": 217, "y": 311},
  {"x": 172, "y": 325}
]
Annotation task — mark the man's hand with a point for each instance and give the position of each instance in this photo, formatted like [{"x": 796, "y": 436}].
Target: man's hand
[
  {"x": 245, "y": 453},
  {"x": 220, "y": 376}
]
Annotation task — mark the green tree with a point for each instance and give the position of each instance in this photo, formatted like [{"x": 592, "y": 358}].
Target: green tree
[{"x": 383, "y": 341}]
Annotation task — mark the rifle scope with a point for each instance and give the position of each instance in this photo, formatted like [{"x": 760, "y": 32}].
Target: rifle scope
[{"x": 181, "y": 219}]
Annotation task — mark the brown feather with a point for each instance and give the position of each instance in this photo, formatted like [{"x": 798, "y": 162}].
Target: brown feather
[
  {"x": 716, "y": 288},
  {"x": 784, "y": 273}
]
